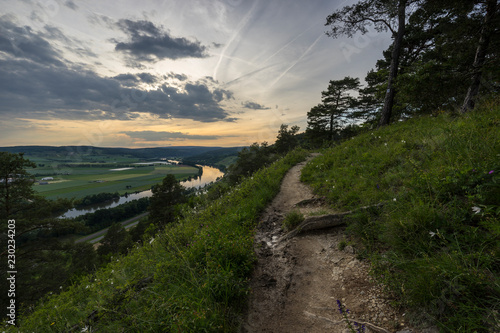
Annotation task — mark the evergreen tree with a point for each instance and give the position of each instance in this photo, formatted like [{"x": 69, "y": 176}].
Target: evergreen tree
[
  {"x": 163, "y": 207},
  {"x": 116, "y": 241},
  {"x": 384, "y": 15},
  {"x": 251, "y": 159},
  {"x": 15, "y": 184},
  {"x": 489, "y": 27},
  {"x": 42, "y": 260},
  {"x": 286, "y": 139},
  {"x": 326, "y": 119},
  {"x": 438, "y": 52}
]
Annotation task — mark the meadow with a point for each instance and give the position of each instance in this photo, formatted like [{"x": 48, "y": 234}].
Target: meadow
[{"x": 79, "y": 179}]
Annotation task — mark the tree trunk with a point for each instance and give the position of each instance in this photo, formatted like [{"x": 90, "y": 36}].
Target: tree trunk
[
  {"x": 393, "y": 72},
  {"x": 481, "y": 51}
]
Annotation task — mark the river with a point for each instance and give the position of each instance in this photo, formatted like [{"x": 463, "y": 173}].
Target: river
[{"x": 210, "y": 174}]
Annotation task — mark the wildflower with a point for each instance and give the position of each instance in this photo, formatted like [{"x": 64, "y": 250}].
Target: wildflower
[
  {"x": 476, "y": 210},
  {"x": 432, "y": 233},
  {"x": 403, "y": 141},
  {"x": 339, "y": 304},
  {"x": 489, "y": 173},
  {"x": 385, "y": 144},
  {"x": 151, "y": 241},
  {"x": 394, "y": 199}
]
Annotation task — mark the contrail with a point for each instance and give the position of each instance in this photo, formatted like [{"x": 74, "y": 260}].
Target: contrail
[
  {"x": 249, "y": 74},
  {"x": 240, "y": 27},
  {"x": 290, "y": 42},
  {"x": 297, "y": 61}
]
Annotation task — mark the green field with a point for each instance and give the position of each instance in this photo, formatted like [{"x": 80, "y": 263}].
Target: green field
[{"x": 78, "y": 182}]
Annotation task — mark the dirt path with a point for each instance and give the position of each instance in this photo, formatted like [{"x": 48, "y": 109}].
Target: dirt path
[{"x": 296, "y": 283}]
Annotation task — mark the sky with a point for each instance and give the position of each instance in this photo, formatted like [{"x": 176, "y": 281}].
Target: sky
[{"x": 168, "y": 72}]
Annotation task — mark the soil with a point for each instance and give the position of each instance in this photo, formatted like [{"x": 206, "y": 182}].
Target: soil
[{"x": 297, "y": 281}]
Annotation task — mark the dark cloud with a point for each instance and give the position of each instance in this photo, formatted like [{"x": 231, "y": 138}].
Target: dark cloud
[
  {"x": 29, "y": 89},
  {"x": 161, "y": 136},
  {"x": 23, "y": 42},
  {"x": 70, "y": 4},
  {"x": 129, "y": 79},
  {"x": 36, "y": 82},
  {"x": 180, "y": 77},
  {"x": 147, "y": 78},
  {"x": 254, "y": 106},
  {"x": 150, "y": 43}
]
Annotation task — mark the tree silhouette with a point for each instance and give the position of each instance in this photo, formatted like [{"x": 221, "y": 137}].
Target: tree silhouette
[
  {"x": 384, "y": 15},
  {"x": 325, "y": 119}
]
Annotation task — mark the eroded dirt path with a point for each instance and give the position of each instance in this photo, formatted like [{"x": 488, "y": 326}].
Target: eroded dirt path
[{"x": 296, "y": 283}]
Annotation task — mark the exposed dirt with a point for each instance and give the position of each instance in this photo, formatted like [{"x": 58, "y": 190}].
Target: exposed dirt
[{"x": 297, "y": 282}]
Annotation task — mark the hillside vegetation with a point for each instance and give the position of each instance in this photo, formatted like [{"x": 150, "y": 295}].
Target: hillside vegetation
[
  {"x": 432, "y": 236},
  {"x": 192, "y": 277},
  {"x": 435, "y": 241}
]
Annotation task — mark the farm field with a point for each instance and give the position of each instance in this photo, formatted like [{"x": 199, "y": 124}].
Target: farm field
[{"x": 78, "y": 182}]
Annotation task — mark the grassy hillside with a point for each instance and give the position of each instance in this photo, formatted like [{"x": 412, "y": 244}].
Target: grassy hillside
[
  {"x": 190, "y": 278},
  {"x": 435, "y": 242}
]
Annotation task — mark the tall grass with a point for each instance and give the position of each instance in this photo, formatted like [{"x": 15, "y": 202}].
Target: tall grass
[
  {"x": 193, "y": 277},
  {"x": 435, "y": 242}
]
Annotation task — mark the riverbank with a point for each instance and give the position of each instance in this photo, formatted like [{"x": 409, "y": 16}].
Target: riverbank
[{"x": 209, "y": 175}]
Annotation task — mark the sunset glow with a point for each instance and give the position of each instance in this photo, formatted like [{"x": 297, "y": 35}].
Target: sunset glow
[{"x": 167, "y": 73}]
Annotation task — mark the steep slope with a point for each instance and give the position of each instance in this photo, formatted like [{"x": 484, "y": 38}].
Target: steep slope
[{"x": 296, "y": 282}]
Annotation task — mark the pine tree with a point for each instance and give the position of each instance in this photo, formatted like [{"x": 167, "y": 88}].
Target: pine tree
[{"x": 326, "y": 119}]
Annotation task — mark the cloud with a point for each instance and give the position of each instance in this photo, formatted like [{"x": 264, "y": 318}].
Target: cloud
[
  {"x": 31, "y": 90},
  {"x": 35, "y": 91},
  {"x": 163, "y": 136},
  {"x": 179, "y": 77},
  {"x": 70, "y": 4},
  {"x": 131, "y": 80},
  {"x": 254, "y": 106},
  {"x": 150, "y": 43},
  {"x": 36, "y": 82},
  {"x": 23, "y": 42}
]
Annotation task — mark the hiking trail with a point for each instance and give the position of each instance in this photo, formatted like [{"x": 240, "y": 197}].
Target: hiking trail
[{"x": 297, "y": 280}]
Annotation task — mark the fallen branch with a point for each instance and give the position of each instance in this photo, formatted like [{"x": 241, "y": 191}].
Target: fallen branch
[
  {"x": 367, "y": 324},
  {"x": 323, "y": 222}
]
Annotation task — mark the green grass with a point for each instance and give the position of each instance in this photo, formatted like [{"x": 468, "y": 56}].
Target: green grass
[
  {"x": 80, "y": 181},
  {"x": 292, "y": 219},
  {"x": 427, "y": 244},
  {"x": 193, "y": 277}
]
